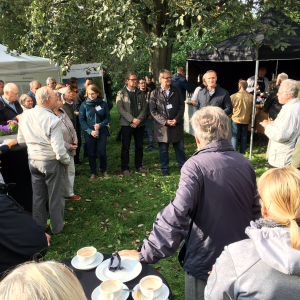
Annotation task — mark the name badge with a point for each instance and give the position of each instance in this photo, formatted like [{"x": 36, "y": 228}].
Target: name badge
[
  {"x": 98, "y": 108},
  {"x": 139, "y": 107},
  {"x": 169, "y": 106}
]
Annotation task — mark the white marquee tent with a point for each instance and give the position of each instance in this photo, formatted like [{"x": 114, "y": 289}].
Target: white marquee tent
[{"x": 22, "y": 69}]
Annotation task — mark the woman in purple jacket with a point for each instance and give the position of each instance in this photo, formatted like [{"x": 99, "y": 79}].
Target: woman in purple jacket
[{"x": 218, "y": 190}]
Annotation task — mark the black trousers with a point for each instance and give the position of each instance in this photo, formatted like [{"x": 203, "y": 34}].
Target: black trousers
[
  {"x": 138, "y": 134},
  {"x": 78, "y": 132}
]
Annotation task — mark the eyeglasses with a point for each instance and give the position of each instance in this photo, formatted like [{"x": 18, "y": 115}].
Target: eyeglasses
[
  {"x": 167, "y": 78},
  {"x": 91, "y": 94}
]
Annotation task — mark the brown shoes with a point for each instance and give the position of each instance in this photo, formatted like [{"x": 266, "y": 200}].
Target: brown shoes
[
  {"x": 93, "y": 177},
  {"x": 141, "y": 170},
  {"x": 105, "y": 175},
  {"x": 126, "y": 173}
]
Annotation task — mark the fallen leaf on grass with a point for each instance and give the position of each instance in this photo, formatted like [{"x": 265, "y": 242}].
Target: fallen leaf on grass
[
  {"x": 64, "y": 246},
  {"x": 143, "y": 174},
  {"x": 79, "y": 218},
  {"x": 140, "y": 225},
  {"x": 116, "y": 205},
  {"x": 132, "y": 212},
  {"x": 106, "y": 220},
  {"x": 147, "y": 232},
  {"x": 124, "y": 217},
  {"x": 137, "y": 241},
  {"x": 158, "y": 186},
  {"x": 101, "y": 248},
  {"x": 154, "y": 206},
  {"x": 70, "y": 208},
  {"x": 88, "y": 200},
  {"x": 176, "y": 275},
  {"x": 175, "y": 266},
  {"x": 83, "y": 208},
  {"x": 130, "y": 205},
  {"x": 86, "y": 223},
  {"x": 137, "y": 202}
]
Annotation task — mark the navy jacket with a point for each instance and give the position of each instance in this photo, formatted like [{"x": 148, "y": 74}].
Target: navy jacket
[
  {"x": 220, "y": 98},
  {"x": 20, "y": 236},
  {"x": 179, "y": 81},
  {"x": 272, "y": 105},
  {"x": 223, "y": 184}
]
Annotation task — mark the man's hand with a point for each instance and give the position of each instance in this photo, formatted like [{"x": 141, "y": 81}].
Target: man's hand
[
  {"x": 173, "y": 122},
  {"x": 130, "y": 253},
  {"x": 108, "y": 82},
  {"x": 94, "y": 134},
  {"x": 136, "y": 121},
  {"x": 193, "y": 102},
  {"x": 12, "y": 143},
  {"x": 96, "y": 126},
  {"x": 168, "y": 123},
  {"x": 48, "y": 238},
  {"x": 66, "y": 169},
  {"x": 264, "y": 124},
  {"x": 133, "y": 125}
]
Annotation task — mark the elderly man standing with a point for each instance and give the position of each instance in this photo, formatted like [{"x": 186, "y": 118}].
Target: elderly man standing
[
  {"x": 167, "y": 108},
  {"x": 51, "y": 83},
  {"x": 41, "y": 130},
  {"x": 272, "y": 105},
  {"x": 215, "y": 201},
  {"x": 34, "y": 86},
  {"x": 132, "y": 107},
  {"x": 213, "y": 95},
  {"x": 242, "y": 110},
  {"x": 284, "y": 131},
  {"x": 10, "y": 108}
]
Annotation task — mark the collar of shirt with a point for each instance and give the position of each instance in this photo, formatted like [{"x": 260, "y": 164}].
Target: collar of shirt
[
  {"x": 211, "y": 92},
  {"x": 130, "y": 90},
  {"x": 11, "y": 104},
  {"x": 69, "y": 103},
  {"x": 167, "y": 92}
]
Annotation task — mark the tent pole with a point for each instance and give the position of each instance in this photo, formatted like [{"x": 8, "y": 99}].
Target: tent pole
[
  {"x": 253, "y": 108},
  {"x": 276, "y": 70}
]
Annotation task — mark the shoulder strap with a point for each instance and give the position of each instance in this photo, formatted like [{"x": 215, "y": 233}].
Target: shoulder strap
[{"x": 93, "y": 108}]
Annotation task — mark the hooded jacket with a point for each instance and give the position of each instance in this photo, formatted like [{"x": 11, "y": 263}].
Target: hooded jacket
[
  {"x": 179, "y": 81},
  {"x": 223, "y": 183},
  {"x": 263, "y": 267},
  {"x": 20, "y": 236}
]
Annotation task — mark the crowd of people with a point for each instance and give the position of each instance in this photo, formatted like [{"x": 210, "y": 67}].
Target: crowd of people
[{"x": 217, "y": 206}]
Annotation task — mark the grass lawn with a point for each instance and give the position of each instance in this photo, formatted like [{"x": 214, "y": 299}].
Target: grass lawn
[{"x": 118, "y": 212}]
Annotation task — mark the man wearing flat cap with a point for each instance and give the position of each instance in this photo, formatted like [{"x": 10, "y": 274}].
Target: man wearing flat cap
[{"x": 149, "y": 82}]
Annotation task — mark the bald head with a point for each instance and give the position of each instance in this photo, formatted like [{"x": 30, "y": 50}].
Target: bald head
[
  {"x": 34, "y": 86},
  {"x": 11, "y": 92}
]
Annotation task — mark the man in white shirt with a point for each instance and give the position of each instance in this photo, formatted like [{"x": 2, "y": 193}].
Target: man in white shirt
[
  {"x": 41, "y": 130},
  {"x": 286, "y": 128},
  {"x": 262, "y": 82}
]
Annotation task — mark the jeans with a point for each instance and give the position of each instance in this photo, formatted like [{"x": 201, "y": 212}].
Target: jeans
[
  {"x": 164, "y": 154},
  {"x": 138, "y": 134},
  {"x": 149, "y": 132},
  {"x": 237, "y": 128},
  {"x": 96, "y": 146},
  {"x": 194, "y": 288}
]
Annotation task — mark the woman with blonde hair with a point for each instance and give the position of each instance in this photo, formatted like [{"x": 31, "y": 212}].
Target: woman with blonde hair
[
  {"x": 266, "y": 266},
  {"x": 45, "y": 280},
  {"x": 26, "y": 102}
]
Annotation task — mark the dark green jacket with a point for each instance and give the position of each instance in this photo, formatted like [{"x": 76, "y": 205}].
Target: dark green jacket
[
  {"x": 125, "y": 110},
  {"x": 87, "y": 116}
]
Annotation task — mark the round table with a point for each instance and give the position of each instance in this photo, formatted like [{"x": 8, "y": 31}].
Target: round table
[{"x": 89, "y": 281}]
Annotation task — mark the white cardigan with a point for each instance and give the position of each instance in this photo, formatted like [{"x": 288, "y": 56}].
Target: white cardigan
[{"x": 283, "y": 133}]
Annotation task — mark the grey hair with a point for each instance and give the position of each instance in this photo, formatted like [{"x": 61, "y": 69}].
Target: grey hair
[
  {"x": 23, "y": 98},
  {"x": 211, "y": 71},
  {"x": 162, "y": 71},
  {"x": 50, "y": 79},
  {"x": 42, "y": 94},
  {"x": 57, "y": 93},
  {"x": 291, "y": 87},
  {"x": 283, "y": 76},
  {"x": 210, "y": 124},
  {"x": 62, "y": 93},
  {"x": 31, "y": 83}
]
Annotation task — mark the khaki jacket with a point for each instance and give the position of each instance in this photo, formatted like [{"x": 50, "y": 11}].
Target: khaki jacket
[
  {"x": 242, "y": 107},
  {"x": 125, "y": 110}
]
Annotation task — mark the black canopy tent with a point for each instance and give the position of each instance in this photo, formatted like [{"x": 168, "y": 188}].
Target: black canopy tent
[{"x": 232, "y": 60}]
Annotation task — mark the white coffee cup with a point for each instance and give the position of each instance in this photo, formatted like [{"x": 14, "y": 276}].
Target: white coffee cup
[
  {"x": 87, "y": 255},
  {"x": 151, "y": 286},
  {"x": 111, "y": 289}
]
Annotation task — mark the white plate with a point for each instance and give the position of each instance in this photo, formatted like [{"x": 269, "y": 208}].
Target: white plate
[
  {"x": 132, "y": 269},
  {"x": 77, "y": 265},
  {"x": 97, "y": 293},
  {"x": 162, "y": 296}
]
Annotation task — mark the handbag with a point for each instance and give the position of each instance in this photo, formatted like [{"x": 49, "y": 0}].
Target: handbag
[
  {"x": 183, "y": 247},
  {"x": 108, "y": 133}
]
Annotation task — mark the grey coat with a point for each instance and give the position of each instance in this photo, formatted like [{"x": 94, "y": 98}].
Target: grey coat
[
  {"x": 263, "y": 267},
  {"x": 223, "y": 183},
  {"x": 125, "y": 110},
  {"x": 158, "y": 109},
  {"x": 69, "y": 132}
]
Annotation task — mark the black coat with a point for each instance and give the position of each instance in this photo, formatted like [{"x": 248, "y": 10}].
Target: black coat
[
  {"x": 158, "y": 109},
  {"x": 80, "y": 99},
  {"x": 7, "y": 113},
  {"x": 20, "y": 236},
  {"x": 220, "y": 98},
  {"x": 272, "y": 105}
]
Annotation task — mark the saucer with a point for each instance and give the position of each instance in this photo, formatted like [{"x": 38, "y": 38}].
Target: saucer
[
  {"x": 132, "y": 269},
  {"x": 77, "y": 265},
  {"x": 96, "y": 295},
  {"x": 164, "y": 294}
]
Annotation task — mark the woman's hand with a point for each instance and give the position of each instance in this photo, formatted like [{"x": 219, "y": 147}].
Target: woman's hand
[
  {"x": 96, "y": 126},
  {"x": 73, "y": 147},
  {"x": 12, "y": 143},
  {"x": 94, "y": 134},
  {"x": 130, "y": 253}
]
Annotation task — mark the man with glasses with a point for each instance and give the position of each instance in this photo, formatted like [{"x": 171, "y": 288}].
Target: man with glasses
[
  {"x": 167, "y": 108},
  {"x": 41, "y": 130},
  {"x": 132, "y": 107}
]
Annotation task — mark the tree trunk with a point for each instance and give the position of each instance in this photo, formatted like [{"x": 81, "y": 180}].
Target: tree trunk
[{"x": 159, "y": 58}]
